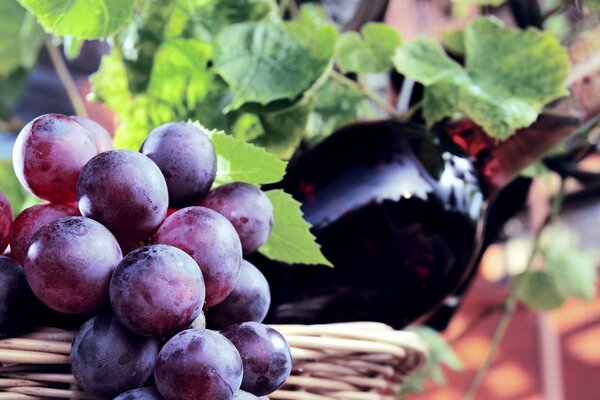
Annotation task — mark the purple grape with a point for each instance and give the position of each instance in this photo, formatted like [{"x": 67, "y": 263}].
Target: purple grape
[
  {"x": 157, "y": 291},
  {"x": 211, "y": 240},
  {"x": 126, "y": 192},
  {"x": 247, "y": 208},
  {"x": 16, "y": 299},
  {"x": 198, "y": 364},
  {"x": 69, "y": 264},
  {"x": 144, "y": 393},
  {"x": 6, "y": 220},
  {"x": 186, "y": 157},
  {"x": 100, "y": 135},
  {"x": 31, "y": 220},
  {"x": 249, "y": 300},
  {"x": 266, "y": 356},
  {"x": 49, "y": 154},
  {"x": 107, "y": 359}
]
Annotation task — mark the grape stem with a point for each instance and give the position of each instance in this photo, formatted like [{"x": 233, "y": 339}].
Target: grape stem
[
  {"x": 371, "y": 95},
  {"x": 65, "y": 77},
  {"x": 511, "y": 303}
]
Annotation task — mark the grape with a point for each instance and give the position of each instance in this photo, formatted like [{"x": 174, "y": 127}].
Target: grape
[
  {"x": 16, "y": 299},
  {"x": 198, "y": 364},
  {"x": 145, "y": 393},
  {"x": 107, "y": 359},
  {"x": 249, "y": 300},
  {"x": 69, "y": 264},
  {"x": 126, "y": 192},
  {"x": 266, "y": 356},
  {"x": 6, "y": 220},
  {"x": 157, "y": 290},
  {"x": 100, "y": 135},
  {"x": 49, "y": 154},
  {"x": 30, "y": 221},
  {"x": 211, "y": 240},
  {"x": 186, "y": 157},
  {"x": 247, "y": 208}
]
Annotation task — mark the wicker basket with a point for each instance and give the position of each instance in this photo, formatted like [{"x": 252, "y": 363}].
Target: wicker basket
[{"x": 353, "y": 361}]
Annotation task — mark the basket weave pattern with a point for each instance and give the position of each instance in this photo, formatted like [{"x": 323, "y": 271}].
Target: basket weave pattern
[{"x": 353, "y": 361}]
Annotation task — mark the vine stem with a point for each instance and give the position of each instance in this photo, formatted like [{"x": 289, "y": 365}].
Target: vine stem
[
  {"x": 371, "y": 95},
  {"x": 65, "y": 78},
  {"x": 511, "y": 303}
]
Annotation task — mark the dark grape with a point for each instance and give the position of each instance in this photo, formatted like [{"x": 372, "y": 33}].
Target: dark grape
[
  {"x": 144, "y": 393},
  {"x": 126, "y": 192},
  {"x": 187, "y": 159},
  {"x": 198, "y": 364},
  {"x": 49, "y": 154},
  {"x": 16, "y": 299},
  {"x": 30, "y": 221},
  {"x": 6, "y": 220},
  {"x": 107, "y": 359},
  {"x": 247, "y": 208},
  {"x": 69, "y": 264},
  {"x": 157, "y": 290},
  {"x": 249, "y": 300},
  {"x": 100, "y": 135},
  {"x": 212, "y": 241},
  {"x": 266, "y": 356}
]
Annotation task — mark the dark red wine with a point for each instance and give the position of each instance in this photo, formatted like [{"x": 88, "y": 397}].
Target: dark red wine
[{"x": 398, "y": 211}]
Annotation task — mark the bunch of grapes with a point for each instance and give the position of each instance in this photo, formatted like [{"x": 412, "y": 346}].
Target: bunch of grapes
[{"x": 140, "y": 243}]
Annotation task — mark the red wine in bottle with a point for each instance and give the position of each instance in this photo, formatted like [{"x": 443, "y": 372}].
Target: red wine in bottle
[{"x": 400, "y": 213}]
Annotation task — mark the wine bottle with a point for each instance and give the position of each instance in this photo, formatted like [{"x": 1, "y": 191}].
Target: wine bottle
[{"x": 401, "y": 213}]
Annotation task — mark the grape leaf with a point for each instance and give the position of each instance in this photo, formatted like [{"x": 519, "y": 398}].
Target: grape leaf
[
  {"x": 334, "y": 106},
  {"x": 440, "y": 353},
  {"x": 454, "y": 41},
  {"x": 538, "y": 291},
  {"x": 508, "y": 77},
  {"x": 284, "y": 129},
  {"x": 20, "y": 38},
  {"x": 84, "y": 19},
  {"x": 180, "y": 74},
  {"x": 574, "y": 272},
  {"x": 238, "y": 161},
  {"x": 214, "y": 15},
  {"x": 264, "y": 62},
  {"x": 371, "y": 52},
  {"x": 291, "y": 240}
]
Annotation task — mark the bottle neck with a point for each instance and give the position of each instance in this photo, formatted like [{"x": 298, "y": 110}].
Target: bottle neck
[{"x": 498, "y": 162}]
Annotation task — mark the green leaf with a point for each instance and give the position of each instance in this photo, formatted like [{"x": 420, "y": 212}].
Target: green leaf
[
  {"x": 538, "y": 291},
  {"x": 371, "y": 52},
  {"x": 84, "y": 19},
  {"x": 20, "y": 38},
  {"x": 215, "y": 15},
  {"x": 574, "y": 272},
  {"x": 440, "y": 353},
  {"x": 291, "y": 241},
  {"x": 509, "y": 76},
  {"x": 72, "y": 46},
  {"x": 11, "y": 88},
  {"x": 238, "y": 161},
  {"x": 180, "y": 74},
  {"x": 334, "y": 106},
  {"x": 454, "y": 41},
  {"x": 284, "y": 129},
  {"x": 10, "y": 185},
  {"x": 264, "y": 62}
]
